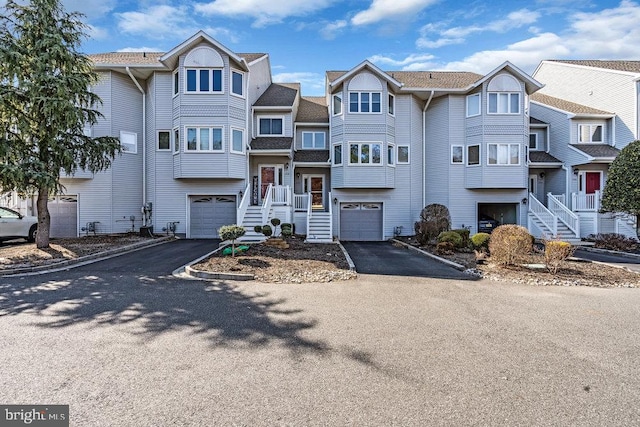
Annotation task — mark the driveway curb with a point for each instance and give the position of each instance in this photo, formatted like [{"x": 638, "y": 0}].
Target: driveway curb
[
  {"x": 352, "y": 265},
  {"x": 192, "y": 273},
  {"x": 435, "y": 257},
  {"x": 84, "y": 260},
  {"x": 610, "y": 252}
]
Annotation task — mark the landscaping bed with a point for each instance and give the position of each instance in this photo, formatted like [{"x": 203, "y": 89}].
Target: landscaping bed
[{"x": 300, "y": 263}]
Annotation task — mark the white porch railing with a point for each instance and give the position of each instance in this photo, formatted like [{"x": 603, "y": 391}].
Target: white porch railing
[
  {"x": 561, "y": 198},
  {"x": 309, "y": 210},
  {"x": 266, "y": 204},
  {"x": 244, "y": 205},
  {"x": 300, "y": 202},
  {"x": 544, "y": 215},
  {"x": 564, "y": 214},
  {"x": 330, "y": 216},
  {"x": 585, "y": 202},
  {"x": 281, "y": 195}
]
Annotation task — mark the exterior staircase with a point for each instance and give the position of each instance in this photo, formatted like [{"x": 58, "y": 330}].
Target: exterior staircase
[
  {"x": 553, "y": 222},
  {"x": 563, "y": 233},
  {"x": 252, "y": 217},
  {"x": 319, "y": 227}
]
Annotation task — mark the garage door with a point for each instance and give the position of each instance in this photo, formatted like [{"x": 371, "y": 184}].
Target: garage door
[
  {"x": 361, "y": 221},
  {"x": 208, "y": 213},
  {"x": 64, "y": 216}
]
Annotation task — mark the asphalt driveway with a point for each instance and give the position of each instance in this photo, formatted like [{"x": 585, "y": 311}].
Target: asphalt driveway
[{"x": 387, "y": 259}]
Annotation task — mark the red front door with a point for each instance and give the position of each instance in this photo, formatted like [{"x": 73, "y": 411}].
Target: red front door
[{"x": 592, "y": 180}]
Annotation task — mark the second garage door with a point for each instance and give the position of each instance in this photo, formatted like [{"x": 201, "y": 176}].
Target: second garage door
[
  {"x": 361, "y": 221},
  {"x": 208, "y": 213}
]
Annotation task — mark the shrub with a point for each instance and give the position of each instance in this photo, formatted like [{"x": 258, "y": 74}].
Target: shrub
[
  {"x": 267, "y": 230},
  {"x": 451, "y": 236},
  {"x": 275, "y": 222},
  {"x": 555, "y": 254},
  {"x": 445, "y": 248},
  {"x": 286, "y": 229},
  {"x": 615, "y": 242},
  {"x": 434, "y": 219},
  {"x": 257, "y": 229},
  {"x": 464, "y": 233},
  {"x": 510, "y": 245},
  {"x": 480, "y": 241},
  {"x": 231, "y": 232}
]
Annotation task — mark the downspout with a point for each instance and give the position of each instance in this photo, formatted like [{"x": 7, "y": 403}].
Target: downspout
[
  {"x": 424, "y": 149},
  {"x": 567, "y": 189},
  {"x": 144, "y": 143},
  {"x": 249, "y": 124}
]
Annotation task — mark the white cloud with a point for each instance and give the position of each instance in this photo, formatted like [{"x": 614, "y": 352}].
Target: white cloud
[
  {"x": 312, "y": 83},
  {"x": 141, "y": 49},
  {"x": 91, "y": 8},
  {"x": 414, "y": 61},
  {"x": 394, "y": 9},
  {"x": 264, "y": 12},
  {"x": 333, "y": 29},
  {"x": 97, "y": 33},
  {"x": 457, "y": 35},
  {"x": 157, "y": 22}
]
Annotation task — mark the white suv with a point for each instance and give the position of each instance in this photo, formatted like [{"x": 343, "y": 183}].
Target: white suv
[{"x": 13, "y": 225}]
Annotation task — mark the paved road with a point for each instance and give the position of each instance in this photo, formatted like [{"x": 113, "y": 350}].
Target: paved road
[
  {"x": 386, "y": 259},
  {"x": 126, "y": 346},
  {"x": 621, "y": 261}
]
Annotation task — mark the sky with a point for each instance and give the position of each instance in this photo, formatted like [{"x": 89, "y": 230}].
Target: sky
[{"x": 305, "y": 38}]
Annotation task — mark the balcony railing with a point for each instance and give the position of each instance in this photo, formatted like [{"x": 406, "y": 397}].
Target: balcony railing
[
  {"x": 300, "y": 202},
  {"x": 585, "y": 202},
  {"x": 281, "y": 195}
]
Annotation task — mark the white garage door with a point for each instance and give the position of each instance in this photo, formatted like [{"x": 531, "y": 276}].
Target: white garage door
[
  {"x": 64, "y": 216},
  {"x": 361, "y": 221},
  {"x": 208, "y": 213}
]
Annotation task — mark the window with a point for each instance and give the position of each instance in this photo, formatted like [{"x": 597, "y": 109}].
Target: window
[
  {"x": 176, "y": 85},
  {"x": 590, "y": 133},
  {"x": 503, "y": 154},
  {"x": 457, "y": 154},
  {"x": 236, "y": 83},
  {"x": 504, "y": 103},
  {"x": 271, "y": 126},
  {"x": 204, "y": 139},
  {"x": 403, "y": 154},
  {"x": 176, "y": 140},
  {"x": 204, "y": 80},
  {"x": 392, "y": 104},
  {"x": 533, "y": 141},
  {"x": 337, "y": 105},
  {"x": 473, "y": 155},
  {"x": 313, "y": 139},
  {"x": 365, "y": 153},
  {"x": 473, "y": 105},
  {"x": 337, "y": 154},
  {"x": 391, "y": 155},
  {"x": 164, "y": 140},
  {"x": 237, "y": 140},
  {"x": 364, "y": 102},
  {"x": 129, "y": 142}
]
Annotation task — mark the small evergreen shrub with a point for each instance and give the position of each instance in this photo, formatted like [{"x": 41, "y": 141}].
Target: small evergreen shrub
[
  {"x": 445, "y": 248},
  {"x": 510, "y": 244},
  {"x": 286, "y": 229},
  {"x": 556, "y": 253},
  {"x": 275, "y": 222},
  {"x": 257, "y": 229},
  {"x": 464, "y": 233},
  {"x": 480, "y": 241},
  {"x": 434, "y": 219},
  {"x": 451, "y": 236},
  {"x": 231, "y": 232},
  {"x": 267, "y": 230}
]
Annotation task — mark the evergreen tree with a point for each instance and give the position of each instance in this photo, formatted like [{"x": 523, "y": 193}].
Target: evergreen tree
[{"x": 45, "y": 104}]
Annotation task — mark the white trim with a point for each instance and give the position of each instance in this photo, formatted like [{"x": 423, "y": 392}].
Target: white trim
[
  {"x": 370, "y": 144},
  {"x": 309, "y": 176},
  {"x": 461, "y": 162},
  {"x": 361, "y": 66},
  {"x": 158, "y": 140},
  {"x": 175, "y": 89},
  {"x": 498, "y": 104},
  {"x": 398, "y": 162},
  {"x": 127, "y": 133},
  {"x": 332, "y": 160},
  {"x": 529, "y": 142},
  {"x": 198, "y": 91},
  {"x": 176, "y": 141},
  {"x": 198, "y": 150},
  {"x": 390, "y": 104},
  {"x": 467, "y": 156},
  {"x": 313, "y": 140},
  {"x": 260, "y": 117},
  {"x": 243, "y": 141},
  {"x": 479, "y": 95},
  {"x": 591, "y": 125},
  {"x": 340, "y": 95},
  {"x": 277, "y": 167},
  {"x": 391, "y": 149},
  {"x": 360, "y": 92},
  {"x": 509, "y": 145},
  {"x": 244, "y": 89},
  {"x": 191, "y": 42}
]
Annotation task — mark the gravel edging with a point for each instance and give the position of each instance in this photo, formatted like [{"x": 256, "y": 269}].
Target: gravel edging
[
  {"x": 98, "y": 256},
  {"x": 435, "y": 257}
]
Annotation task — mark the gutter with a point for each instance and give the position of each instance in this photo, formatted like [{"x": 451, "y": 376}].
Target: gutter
[
  {"x": 144, "y": 142},
  {"x": 424, "y": 149}
]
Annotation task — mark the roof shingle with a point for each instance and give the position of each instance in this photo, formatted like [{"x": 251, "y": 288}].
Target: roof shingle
[
  {"x": 629, "y": 66},
  {"x": 271, "y": 143},
  {"x": 311, "y": 156},
  {"x": 425, "y": 79},
  {"x": 147, "y": 58},
  {"x": 542, "y": 157},
  {"x": 597, "y": 150},
  {"x": 279, "y": 95},
  {"x": 564, "y": 105},
  {"x": 313, "y": 109}
]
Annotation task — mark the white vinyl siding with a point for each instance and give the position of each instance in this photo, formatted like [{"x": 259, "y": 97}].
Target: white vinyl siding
[
  {"x": 503, "y": 103},
  {"x": 473, "y": 105},
  {"x": 503, "y": 154},
  {"x": 313, "y": 140},
  {"x": 204, "y": 139}
]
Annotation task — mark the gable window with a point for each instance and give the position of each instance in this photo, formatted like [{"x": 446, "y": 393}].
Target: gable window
[
  {"x": 473, "y": 105},
  {"x": 313, "y": 139},
  {"x": 129, "y": 142},
  {"x": 391, "y": 155},
  {"x": 164, "y": 140},
  {"x": 237, "y": 140},
  {"x": 504, "y": 103},
  {"x": 364, "y": 102},
  {"x": 457, "y": 154},
  {"x": 590, "y": 133},
  {"x": 204, "y": 139},
  {"x": 337, "y": 154},
  {"x": 403, "y": 154},
  {"x": 270, "y": 126},
  {"x": 365, "y": 153},
  {"x": 337, "y": 105},
  {"x": 473, "y": 155},
  {"x": 237, "y": 83},
  {"x": 503, "y": 154},
  {"x": 176, "y": 140},
  {"x": 392, "y": 104},
  {"x": 176, "y": 80},
  {"x": 204, "y": 80},
  {"x": 533, "y": 141}
]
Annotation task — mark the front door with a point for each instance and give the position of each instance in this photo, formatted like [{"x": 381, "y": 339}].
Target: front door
[
  {"x": 269, "y": 174},
  {"x": 592, "y": 182},
  {"x": 314, "y": 184}
]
